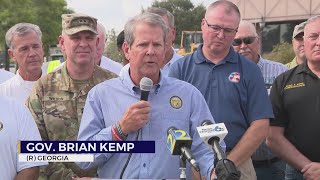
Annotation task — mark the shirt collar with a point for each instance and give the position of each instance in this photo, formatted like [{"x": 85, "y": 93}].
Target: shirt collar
[
  {"x": 260, "y": 62},
  {"x": 175, "y": 57},
  {"x": 200, "y": 58},
  {"x": 127, "y": 81},
  {"x": 21, "y": 80},
  {"x": 67, "y": 81},
  {"x": 304, "y": 68}
]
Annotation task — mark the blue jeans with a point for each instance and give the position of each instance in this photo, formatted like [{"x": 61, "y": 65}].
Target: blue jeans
[
  {"x": 273, "y": 171},
  {"x": 292, "y": 173}
]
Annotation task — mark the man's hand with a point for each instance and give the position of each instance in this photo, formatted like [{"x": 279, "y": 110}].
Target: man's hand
[
  {"x": 135, "y": 117},
  {"x": 213, "y": 175},
  {"x": 311, "y": 171}
]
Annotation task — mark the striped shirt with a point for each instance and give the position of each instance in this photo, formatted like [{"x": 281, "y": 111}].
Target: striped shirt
[{"x": 270, "y": 70}]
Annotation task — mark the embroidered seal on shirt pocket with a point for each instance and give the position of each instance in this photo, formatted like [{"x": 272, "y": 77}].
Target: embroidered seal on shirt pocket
[{"x": 176, "y": 102}]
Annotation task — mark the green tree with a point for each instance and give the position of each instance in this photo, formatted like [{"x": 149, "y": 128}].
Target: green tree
[
  {"x": 187, "y": 16},
  {"x": 281, "y": 52},
  {"x": 13, "y": 11},
  {"x": 48, "y": 18},
  {"x": 45, "y": 13},
  {"x": 111, "y": 50}
]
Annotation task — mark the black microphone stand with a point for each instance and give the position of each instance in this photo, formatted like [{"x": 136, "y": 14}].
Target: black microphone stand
[{"x": 183, "y": 162}]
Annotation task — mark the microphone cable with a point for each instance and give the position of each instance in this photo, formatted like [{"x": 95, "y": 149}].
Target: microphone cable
[
  {"x": 129, "y": 157},
  {"x": 145, "y": 86}
]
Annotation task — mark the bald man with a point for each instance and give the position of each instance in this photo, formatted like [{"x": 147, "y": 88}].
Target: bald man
[{"x": 101, "y": 60}]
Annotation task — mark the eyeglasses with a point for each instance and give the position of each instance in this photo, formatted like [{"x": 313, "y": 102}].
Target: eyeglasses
[
  {"x": 217, "y": 29},
  {"x": 246, "y": 40}
]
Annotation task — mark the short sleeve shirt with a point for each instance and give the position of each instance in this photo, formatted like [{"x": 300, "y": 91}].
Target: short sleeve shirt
[
  {"x": 234, "y": 90},
  {"x": 295, "y": 96}
]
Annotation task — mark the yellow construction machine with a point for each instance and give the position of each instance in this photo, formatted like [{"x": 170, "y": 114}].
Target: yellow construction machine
[{"x": 190, "y": 41}]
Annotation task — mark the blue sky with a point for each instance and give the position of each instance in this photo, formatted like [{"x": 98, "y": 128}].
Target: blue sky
[{"x": 115, "y": 13}]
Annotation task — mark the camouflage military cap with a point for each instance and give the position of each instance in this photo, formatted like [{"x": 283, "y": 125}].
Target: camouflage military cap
[
  {"x": 76, "y": 22},
  {"x": 298, "y": 29}
]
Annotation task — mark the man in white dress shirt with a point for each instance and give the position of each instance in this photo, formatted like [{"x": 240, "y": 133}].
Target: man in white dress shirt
[
  {"x": 101, "y": 60},
  {"x": 25, "y": 48},
  {"x": 5, "y": 75}
]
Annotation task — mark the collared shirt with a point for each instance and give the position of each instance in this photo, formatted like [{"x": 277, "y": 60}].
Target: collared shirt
[
  {"x": 173, "y": 103},
  {"x": 234, "y": 90},
  {"x": 17, "y": 88},
  {"x": 295, "y": 97},
  {"x": 5, "y": 75},
  {"x": 124, "y": 70},
  {"x": 16, "y": 124},
  {"x": 292, "y": 64},
  {"x": 110, "y": 65},
  {"x": 270, "y": 70},
  {"x": 166, "y": 68},
  {"x": 57, "y": 104}
]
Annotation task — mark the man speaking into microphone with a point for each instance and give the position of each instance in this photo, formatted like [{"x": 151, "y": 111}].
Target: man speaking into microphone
[{"x": 121, "y": 109}]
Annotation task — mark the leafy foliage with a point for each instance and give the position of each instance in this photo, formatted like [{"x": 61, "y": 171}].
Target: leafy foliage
[
  {"x": 111, "y": 50},
  {"x": 281, "y": 52},
  {"x": 44, "y": 13},
  {"x": 187, "y": 16}
]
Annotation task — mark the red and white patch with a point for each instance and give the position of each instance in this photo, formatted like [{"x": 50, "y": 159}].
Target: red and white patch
[{"x": 234, "y": 77}]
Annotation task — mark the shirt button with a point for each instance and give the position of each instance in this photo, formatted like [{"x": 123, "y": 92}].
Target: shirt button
[{"x": 144, "y": 164}]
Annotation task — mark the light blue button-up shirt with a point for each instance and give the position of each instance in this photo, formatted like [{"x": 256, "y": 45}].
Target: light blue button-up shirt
[
  {"x": 107, "y": 102},
  {"x": 166, "y": 68},
  {"x": 270, "y": 70}
]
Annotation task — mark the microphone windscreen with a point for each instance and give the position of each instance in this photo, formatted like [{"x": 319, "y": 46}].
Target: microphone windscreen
[
  {"x": 171, "y": 129},
  {"x": 206, "y": 122},
  {"x": 146, "y": 84}
]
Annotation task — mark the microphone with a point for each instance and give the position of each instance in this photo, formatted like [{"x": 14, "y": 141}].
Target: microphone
[
  {"x": 179, "y": 143},
  {"x": 212, "y": 134},
  {"x": 145, "y": 87}
]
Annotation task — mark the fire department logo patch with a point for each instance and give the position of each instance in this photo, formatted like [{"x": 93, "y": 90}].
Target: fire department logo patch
[
  {"x": 176, "y": 102},
  {"x": 234, "y": 77}
]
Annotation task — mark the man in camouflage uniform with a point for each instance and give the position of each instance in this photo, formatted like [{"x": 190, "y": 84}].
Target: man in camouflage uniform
[{"x": 57, "y": 100}]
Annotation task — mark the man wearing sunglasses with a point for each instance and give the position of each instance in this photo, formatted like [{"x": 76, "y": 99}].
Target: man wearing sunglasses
[
  {"x": 231, "y": 84},
  {"x": 246, "y": 42},
  {"x": 298, "y": 46}
]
